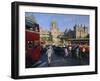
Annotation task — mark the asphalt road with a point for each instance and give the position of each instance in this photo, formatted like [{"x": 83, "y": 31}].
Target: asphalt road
[{"x": 58, "y": 60}]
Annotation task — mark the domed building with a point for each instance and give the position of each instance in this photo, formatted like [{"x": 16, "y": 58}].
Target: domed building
[
  {"x": 54, "y": 32},
  {"x": 51, "y": 36}
]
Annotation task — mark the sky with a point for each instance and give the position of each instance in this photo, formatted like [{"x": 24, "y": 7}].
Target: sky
[{"x": 63, "y": 20}]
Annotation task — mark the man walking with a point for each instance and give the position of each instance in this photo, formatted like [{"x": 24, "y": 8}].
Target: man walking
[
  {"x": 49, "y": 54},
  {"x": 66, "y": 51}
]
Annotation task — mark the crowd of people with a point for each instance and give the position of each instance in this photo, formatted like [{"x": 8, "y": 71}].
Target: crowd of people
[{"x": 73, "y": 51}]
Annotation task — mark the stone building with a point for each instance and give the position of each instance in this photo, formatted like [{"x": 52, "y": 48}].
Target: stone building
[
  {"x": 52, "y": 36},
  {"x": 54, "y": 32},
  {"x": 78, "y": 34},
  {"x": 44, "y": 35},
  {"x": 56, "y": 37},
  {"x": 80, "y": 31}
]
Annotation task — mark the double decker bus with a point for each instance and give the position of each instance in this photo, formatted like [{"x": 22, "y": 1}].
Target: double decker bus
[{"x": 32, "y": 43}]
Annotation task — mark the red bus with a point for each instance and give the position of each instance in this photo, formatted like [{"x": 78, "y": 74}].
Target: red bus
[{"x": 32, "y": 44}]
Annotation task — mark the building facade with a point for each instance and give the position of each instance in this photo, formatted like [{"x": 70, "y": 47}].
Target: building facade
[
  {"x": 81, "y": 31},
  {"x": 54, "y": 32},
  {"x": 52, "y": 36},
  {"x": 55, "y": 37}
]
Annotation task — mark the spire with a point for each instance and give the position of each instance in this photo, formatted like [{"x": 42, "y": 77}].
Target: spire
[{"x": 53, "y": 25}]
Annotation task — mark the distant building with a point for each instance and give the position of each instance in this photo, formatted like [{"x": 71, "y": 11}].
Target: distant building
[
  {"x": 69, "y": 34},
  {"x": 56, "y": 37},
  {"x": 55, "y": 32},
  {"x": 80, "y": 31},
  {"x": 51, "y": 36},
  {"x": 44, "y": 35},
  {"x": 79, "y": 35}
]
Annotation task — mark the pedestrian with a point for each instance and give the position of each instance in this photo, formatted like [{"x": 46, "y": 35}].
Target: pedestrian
[
  {"x": 77, "y": 51},
  {"x": 49, "y": 53},
  {"x": 70, "y": 51},
  {"x": 73, "y": 51},
  {"x": 83, "y": 52},
  {"x": 66, "y": 51}
]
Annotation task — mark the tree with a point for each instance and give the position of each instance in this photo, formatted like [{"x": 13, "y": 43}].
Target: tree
[{"x": 69, "y": 34}]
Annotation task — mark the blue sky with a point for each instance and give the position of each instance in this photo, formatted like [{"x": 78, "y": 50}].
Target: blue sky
[{"x": 63, "y": 20}]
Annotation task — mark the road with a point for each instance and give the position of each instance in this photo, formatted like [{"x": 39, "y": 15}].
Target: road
[{"x": 59, "y": 60}]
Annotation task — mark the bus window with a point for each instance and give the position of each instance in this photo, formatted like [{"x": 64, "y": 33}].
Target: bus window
[
  {"x": 30, "y": 44},
  {"x": 36, "y": 44}
]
